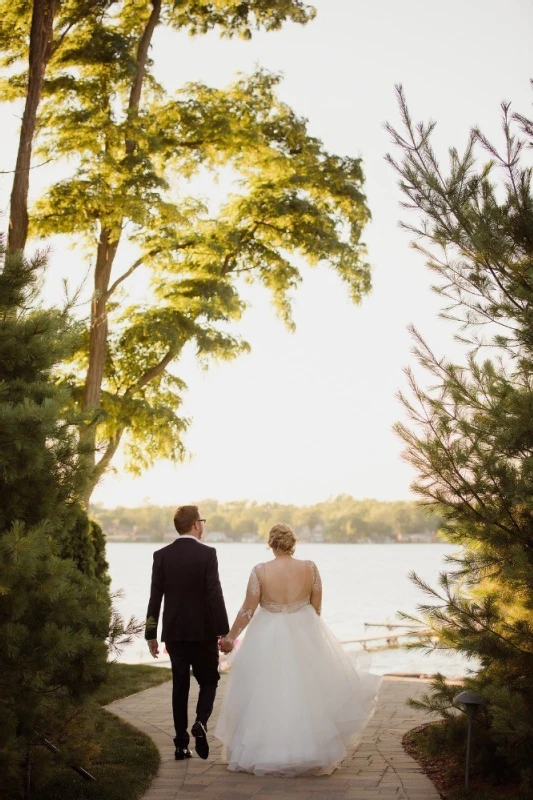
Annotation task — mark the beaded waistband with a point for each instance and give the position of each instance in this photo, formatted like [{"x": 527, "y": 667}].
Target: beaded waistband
[{"x": 280, "y": 608}]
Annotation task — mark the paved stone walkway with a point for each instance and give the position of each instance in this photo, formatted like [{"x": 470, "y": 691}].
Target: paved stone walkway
[{"x": 379, "y": 768}]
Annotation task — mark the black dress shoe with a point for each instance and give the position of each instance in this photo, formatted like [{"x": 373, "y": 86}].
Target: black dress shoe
[
  {"x": 199, "y": 731},
  {"x": 182, "y": 753}
]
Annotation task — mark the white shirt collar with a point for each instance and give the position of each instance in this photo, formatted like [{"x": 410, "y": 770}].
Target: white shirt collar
[{"x": 187, "y": 536}]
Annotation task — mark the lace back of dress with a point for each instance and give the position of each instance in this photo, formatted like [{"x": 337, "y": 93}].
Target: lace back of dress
[{"x": 282, "y": 592}]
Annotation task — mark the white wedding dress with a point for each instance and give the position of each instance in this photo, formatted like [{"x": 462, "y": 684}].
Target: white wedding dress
[{"x": 294, "y": 698}]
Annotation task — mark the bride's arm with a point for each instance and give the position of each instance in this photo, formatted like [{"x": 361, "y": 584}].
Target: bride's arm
[
  {"x": 246, "y": 612},
  {"x": 316, "y": 591}
]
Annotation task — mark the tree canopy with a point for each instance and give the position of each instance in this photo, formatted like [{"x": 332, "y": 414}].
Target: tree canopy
[{"x": 131, "y": 152}]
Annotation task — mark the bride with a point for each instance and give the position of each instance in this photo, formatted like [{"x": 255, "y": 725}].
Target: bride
[{"x": 294, "y": 698}]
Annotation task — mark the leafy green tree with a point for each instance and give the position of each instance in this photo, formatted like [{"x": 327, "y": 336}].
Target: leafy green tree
[
  {"x": 134, "y": 151},
  {"x": 245, "y": 525},
  {"x": 54, "y": 610},
  {"x": 42, "y": 22},
  {"x": 471, "y": 441},
  {"x": 219, "y": 522},
  {"x": 33, "y": 33}
]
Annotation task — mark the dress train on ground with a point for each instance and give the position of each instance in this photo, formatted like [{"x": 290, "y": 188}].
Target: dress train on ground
[{"x": 294, "y": 698}]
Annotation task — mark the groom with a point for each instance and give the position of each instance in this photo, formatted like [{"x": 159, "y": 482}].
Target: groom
[{"x": 194, "y": 616}]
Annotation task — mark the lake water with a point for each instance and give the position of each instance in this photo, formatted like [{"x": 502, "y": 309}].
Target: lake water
[{"x": 361, "y": 583}]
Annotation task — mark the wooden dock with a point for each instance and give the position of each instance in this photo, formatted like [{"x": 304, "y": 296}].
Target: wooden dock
[{"x": 388, "y": 640}]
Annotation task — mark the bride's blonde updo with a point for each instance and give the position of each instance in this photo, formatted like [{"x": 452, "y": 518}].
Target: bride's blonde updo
[{"x": 282, "y": 539}]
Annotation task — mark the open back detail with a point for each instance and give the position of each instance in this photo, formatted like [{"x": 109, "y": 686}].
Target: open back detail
[
  {"x": 282, "y": 605},
  {"x": 271, "y": 589}
]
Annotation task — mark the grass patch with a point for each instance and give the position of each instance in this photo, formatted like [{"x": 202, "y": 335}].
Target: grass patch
[
  {"x": 128, "y": 760},
  {"x": 126, "y": 679},
  {"x": 124, "y": 769},
  {"x": 447, "y": 772}
]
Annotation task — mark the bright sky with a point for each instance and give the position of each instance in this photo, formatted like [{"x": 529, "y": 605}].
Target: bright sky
[{"x": 308, "y": 415}]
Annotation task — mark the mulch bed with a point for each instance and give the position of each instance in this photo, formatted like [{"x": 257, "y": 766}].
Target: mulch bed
[{"x": 447, "y": 776}]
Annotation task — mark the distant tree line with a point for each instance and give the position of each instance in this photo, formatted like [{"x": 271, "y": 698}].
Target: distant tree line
[{"x": 342, "y": 519}]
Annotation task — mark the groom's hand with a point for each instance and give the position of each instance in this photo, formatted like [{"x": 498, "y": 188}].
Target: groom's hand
[
  {"x": 153, "y": 645},
  {"x": 225, "y": 645}
]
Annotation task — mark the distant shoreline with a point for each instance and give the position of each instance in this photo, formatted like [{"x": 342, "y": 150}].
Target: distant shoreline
[
  {"x": 236, "y": 541},
  {"x": 340, "y": 520}
]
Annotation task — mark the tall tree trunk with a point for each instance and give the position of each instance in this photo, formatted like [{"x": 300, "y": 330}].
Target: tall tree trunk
[
  {"x": 101, "y": 467},
  {"x": 42, "y": 23},
  {"x": 107, "y": 249},
  {"x": 142, "y": 56}
]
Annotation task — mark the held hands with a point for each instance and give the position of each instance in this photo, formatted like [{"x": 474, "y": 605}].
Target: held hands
[
  {"x": 153, "y": 646},
  {"x": 225, "y": 644}
]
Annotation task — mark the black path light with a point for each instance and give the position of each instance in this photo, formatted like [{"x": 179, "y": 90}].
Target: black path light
[{"x": 472, "y": 701}]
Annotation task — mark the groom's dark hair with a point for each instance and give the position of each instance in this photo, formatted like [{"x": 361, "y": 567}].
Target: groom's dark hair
[{"x": 185, "y": 517}]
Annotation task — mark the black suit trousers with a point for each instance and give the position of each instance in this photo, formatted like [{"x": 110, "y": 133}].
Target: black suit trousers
[{"x": 202, "y": 657}]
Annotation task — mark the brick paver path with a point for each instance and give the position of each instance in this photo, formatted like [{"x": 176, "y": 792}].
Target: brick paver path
[{"x": 378, "y": 768}]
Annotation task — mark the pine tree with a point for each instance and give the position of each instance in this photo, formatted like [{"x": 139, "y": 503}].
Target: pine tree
[
  {"x": 31, "y": 347},
  {"x": 472, "y": 439},
  {"x": 54, "y": 610}
]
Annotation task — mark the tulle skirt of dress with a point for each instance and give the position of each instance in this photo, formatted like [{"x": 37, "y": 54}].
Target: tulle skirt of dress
[{"x": 294, "y": 698}]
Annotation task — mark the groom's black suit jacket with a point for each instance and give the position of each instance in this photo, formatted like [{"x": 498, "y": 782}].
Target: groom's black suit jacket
[{"x": 185, "y": 573}]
